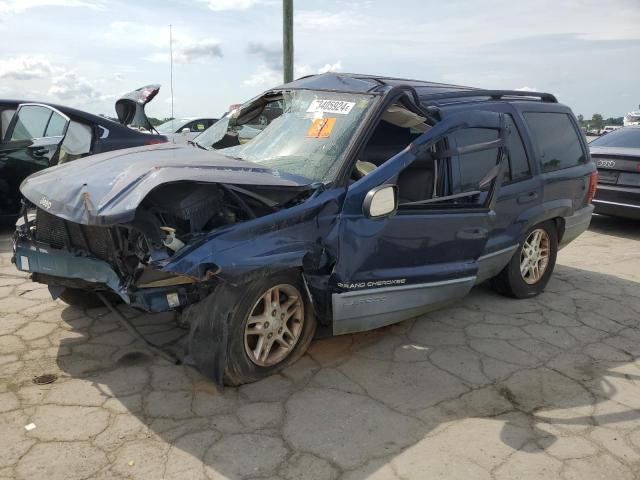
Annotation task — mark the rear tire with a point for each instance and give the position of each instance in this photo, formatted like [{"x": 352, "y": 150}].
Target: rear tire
[
  {"x": 528, "y": 272},
  {"x": 249, "y": 318},
  {"x": 85, "y": 299}
]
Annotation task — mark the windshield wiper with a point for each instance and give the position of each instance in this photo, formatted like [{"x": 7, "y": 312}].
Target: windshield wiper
[{"x": 196, "y": 144}]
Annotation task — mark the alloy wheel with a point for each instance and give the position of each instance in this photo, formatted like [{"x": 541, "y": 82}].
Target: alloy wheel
[
  {"x": 274, "y": 325},
  {"x": 534, "y": 256}
]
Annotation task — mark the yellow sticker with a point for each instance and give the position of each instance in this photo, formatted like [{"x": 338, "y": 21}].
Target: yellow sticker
[{"x": 321, "y": 128}]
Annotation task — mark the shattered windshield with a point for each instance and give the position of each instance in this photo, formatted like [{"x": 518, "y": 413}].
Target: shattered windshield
[{"x": 306, "y": 135}]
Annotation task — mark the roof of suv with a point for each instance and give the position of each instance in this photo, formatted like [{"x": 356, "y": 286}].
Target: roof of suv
[{"x": 429, "y": 92}]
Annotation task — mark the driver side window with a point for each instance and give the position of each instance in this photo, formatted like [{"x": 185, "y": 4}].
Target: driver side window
[
  {"x": 398, "y": 127},
  {"x": 457, "y": 172}
]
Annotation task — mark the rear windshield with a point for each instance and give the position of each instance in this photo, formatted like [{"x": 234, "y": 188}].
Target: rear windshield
[{"x": 622, "y": 138}]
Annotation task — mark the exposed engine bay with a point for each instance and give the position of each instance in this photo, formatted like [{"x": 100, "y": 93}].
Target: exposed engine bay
[{"x": 170, "y": 218}]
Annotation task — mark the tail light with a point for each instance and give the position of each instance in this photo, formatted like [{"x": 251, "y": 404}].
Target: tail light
[
  {"x": 593, "y": 185},
  {"x": 155, "y": 141}
]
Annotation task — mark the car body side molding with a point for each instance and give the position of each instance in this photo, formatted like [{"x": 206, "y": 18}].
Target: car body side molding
[{"x": 371, "y": 308}]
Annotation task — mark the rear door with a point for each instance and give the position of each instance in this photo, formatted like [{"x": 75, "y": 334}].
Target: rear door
[
  {"x": 562, "y": 156},
  {"x": 427, "y": 253},
  {"x": 31, "y": 144}
]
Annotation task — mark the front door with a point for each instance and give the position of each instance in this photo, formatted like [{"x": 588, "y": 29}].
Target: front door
[
  {"x": 31, "y": 143},
  {"x": 426, "y": 252}
]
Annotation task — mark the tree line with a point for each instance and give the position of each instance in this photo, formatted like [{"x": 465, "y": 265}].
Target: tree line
[
  {"x": 598, "y": 122},
  {"x": 154, "y": 121}
]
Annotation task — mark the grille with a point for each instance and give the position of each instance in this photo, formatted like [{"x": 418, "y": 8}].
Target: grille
[{"x": 59, "y": 233}]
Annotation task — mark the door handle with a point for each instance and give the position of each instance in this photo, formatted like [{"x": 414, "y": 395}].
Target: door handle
[
  {"x": 472, "y": 233},
  {"x": 527, "y": 197},
  {"x": 38, "y": 151}
]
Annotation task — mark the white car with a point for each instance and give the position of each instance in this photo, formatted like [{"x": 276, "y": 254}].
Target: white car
[
  {"x": 609, "y": 128},
  {"x": 632, "y": 118},
  {"x": 180, "y": 130}
]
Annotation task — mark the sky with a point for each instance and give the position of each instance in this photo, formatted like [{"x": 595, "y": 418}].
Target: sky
[{"x": 86, "y": 53}]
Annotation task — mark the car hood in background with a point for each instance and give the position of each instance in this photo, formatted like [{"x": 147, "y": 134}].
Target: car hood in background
[
  {"x": 107, "y": 188},
  {"x": 130, "y": 108}
]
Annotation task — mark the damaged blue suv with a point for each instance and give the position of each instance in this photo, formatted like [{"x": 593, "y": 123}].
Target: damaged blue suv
[{"x": 366, "y": 201}]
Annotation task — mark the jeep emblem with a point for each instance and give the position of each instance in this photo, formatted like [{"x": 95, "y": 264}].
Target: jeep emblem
[{"x": 45, "y": 203}]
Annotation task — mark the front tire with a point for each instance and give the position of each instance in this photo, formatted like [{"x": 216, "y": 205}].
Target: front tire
[
  {"x": 270, "y": 324},
  {"x": 528, "y": 272}
]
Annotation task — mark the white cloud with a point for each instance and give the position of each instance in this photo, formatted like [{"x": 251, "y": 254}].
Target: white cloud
[
  {"x": 264, "y": 76},
  {"x": 331, "y": 67},
  {"x": 271, "y": 55},
  {"x": 268, "y": 77},
  {"x": 196, "y": 52},
  {"x": 71, "y": 86},
  {"x": 527, "y": 89},
  {"x": 25, "y": 67},
  {"x": 186, "y": 49},
  {"x": 204, "y": 50},
  {"x": 222, "y": 5},
  {"x": 20, "y": 6}
]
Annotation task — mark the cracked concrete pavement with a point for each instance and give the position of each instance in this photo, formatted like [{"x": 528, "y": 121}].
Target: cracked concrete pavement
[{"x": 490, "y": 388}]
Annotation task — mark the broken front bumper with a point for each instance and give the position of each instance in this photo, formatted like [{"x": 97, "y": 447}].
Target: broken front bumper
[{"x": 34, "y": 257}]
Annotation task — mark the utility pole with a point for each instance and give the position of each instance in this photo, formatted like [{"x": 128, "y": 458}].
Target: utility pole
[
  {"x": 171, "y": 63},
  {"x": 287, "y": 39}
]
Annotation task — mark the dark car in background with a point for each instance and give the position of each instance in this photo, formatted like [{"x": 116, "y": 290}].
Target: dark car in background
[
  {"x": 367, "y": 201},
  {"x": 617, "y": 157},
  {"x": 36, "y": 135}
]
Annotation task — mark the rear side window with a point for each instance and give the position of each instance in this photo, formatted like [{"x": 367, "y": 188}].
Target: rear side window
[
  {"x": 57, "y": 124},
  {"x": 556, "y": 140}
]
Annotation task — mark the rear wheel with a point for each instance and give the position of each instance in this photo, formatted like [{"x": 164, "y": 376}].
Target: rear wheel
[
  {"x": 270, "y": 325},
  {"x": 531, "y": 266}
]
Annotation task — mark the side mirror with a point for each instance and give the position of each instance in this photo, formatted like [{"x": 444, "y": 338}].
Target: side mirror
[
  {"x": 381, "y": 201},
  {"x": 184, "y": 131}
]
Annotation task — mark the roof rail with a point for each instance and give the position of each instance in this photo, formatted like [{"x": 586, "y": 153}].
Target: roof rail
[{"x": 493, "y": 94}]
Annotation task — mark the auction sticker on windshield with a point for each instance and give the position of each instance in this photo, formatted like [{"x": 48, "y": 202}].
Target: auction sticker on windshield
[
  {"x": 330, "y": 106},
  {"x": 321, "y": 128}
]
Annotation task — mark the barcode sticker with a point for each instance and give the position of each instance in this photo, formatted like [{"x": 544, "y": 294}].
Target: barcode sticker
[{"x": 331, "y": 106}]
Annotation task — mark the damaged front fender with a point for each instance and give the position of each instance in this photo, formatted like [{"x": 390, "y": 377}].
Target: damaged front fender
[{"x": 297, "y": 237}]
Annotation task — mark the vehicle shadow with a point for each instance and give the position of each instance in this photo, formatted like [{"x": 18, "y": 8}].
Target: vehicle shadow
[
  {"x": 5, "y": 237},
  {"x": 615, "y": 226},
  {"x": 480, "y": 380}
]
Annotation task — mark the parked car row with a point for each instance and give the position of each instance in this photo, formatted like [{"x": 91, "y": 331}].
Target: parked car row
[
  {"x": 606, "y": 129},
  {"x": 336, "y": 203},
  {"x": 35, "y": 135},
  {"x": 617, "y": 157}
]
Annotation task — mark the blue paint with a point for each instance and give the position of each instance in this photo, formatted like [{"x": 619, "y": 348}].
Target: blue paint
[{"x": 328, "y": 237}]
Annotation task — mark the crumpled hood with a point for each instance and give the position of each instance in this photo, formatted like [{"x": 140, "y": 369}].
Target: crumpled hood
[{"x": 106, "y": 189}]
